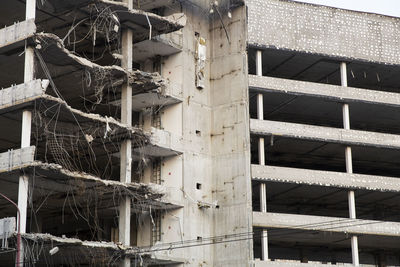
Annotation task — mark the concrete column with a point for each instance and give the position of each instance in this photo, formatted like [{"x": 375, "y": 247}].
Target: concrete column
[
  {"x": 261, "y": 157},
  {"x": 124, "y": 220},
  {"x": 349, "y": 166},
  {"x": 23, "y": 183}
]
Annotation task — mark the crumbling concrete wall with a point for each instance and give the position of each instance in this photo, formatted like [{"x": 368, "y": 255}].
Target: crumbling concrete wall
[{"x": 323, "y": 30}]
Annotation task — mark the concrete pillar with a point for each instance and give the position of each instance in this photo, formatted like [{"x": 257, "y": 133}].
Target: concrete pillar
[
  {"x": 261, "y": 157},
  {"x": 349, "y": 167},
  {"x": 124, "y": 220},
  {"x": 23, "y": 183}
]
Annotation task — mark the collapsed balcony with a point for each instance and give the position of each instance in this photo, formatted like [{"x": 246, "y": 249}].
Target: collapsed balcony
[
  {"x": 76, "y": 140},
  {"x": 86, "y": 85},
  {"x": 73, "y": 252},
  {"x": 94, "y": 28},
  {"x": 66, "y": 204}
]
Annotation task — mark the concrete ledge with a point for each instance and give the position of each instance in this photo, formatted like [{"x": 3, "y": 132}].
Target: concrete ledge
[
  {"x": 16, "y": 158},
  {"x": 162, "y": 45},
  {"x": 20, "y": 93},
  {"x": 14, "y": 35},
  {"x": 258, "y": 263},
  {"x": 333, "y": 92},
  {"x": 163, "y": 144},
  {"x": 325, "y": 178},
  {"x": 324, "y": 134},
  {"x": 325, "y": 224}
]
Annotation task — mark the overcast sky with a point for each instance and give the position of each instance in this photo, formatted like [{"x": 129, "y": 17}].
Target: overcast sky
[{"x": 386, "y": 7}]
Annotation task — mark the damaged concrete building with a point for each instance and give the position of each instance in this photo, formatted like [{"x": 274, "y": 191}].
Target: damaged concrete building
[{"x": 197, "y": 133}]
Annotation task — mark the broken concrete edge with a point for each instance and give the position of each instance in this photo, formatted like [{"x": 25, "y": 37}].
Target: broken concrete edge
[
  {"x": 141, "y": 81},
  {"x": 166, "y": 139},
  {"x": 158, "y": 195},
  {"x": 54, "y": 240},
  {"x": 129, "y": 251},
  {"x": 17, "y": 32},
  {"x": 325, "y": 224},
  {"x": 89, "y": 177},
  {"x": 174, "y": 21},
  {"x": 325, "y": 178},
  {"x": 47, "y": 39},
  {"x": 41, "y": 96},
  {"x": 324, "y": 134},
  {"x": 264, "y": 84},
  {"x": 158, "y": 138}
]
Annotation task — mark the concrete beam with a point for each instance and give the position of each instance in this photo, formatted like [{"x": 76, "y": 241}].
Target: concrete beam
[
  {"x": 324, "y": 134},
  {"x": 332, "y": 92},
  {"x": 325, "y": 178},
  {"x": 163, "y": 45},
  {"x": 16, "y": 34},
  {"x": 20, "y": 93},
  {"x": 325, "y": 224},
  {"x": 317, "y": 31},
  {"x": 17, "y": 157},
  {"x": 163, "y": 144},
  {"x": 288, "y": 263}
]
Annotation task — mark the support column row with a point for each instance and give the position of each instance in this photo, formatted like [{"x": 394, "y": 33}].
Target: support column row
[
  {"x": 23, "y": 183},
  {"x": 261, "y": 159},
  {"x": 349, "y": 166}
]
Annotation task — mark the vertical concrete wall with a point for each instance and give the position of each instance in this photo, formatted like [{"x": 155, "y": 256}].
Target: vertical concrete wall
[
  {"x": 213, "y": 125},
  {"x": 231, "y": 140},
  {"x": 191, "y": 120}
]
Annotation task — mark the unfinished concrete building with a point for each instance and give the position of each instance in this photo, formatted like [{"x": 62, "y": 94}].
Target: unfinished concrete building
[
  {"x": 324, "y": 107},
  {"x": 198, "y": 133},
  {"x": 112, "y": 132}
]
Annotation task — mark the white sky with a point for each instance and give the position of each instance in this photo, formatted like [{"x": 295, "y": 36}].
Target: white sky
[{"x": 385, "y": 7}]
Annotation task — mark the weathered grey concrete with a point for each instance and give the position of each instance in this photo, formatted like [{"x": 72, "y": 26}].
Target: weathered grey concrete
[
  {"x": 17, "y": 33},
  {"x": 326, "y": 91},
  {"x": 324, "y": 30},
  {"x": 20, "y": 93},
  {"x": 163, "y": 45},
  {"x": 326, "y": 224},
  {"x": 324, "y": 134},
  {"x": 325, "y": 178},
  {"x": 16, "y": 158},
  {"x": 7, "y": 227},
  {"x": 282, "y": 263},
  {"x": 230, "y": 140},
  {"x": 163, "y": 144}
]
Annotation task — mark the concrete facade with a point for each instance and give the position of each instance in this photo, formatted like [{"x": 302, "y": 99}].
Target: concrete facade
[
  {"x": 129, "y": 162},
  {"x": 321, "y": 107},
  {"x": 198, "y": 133}
]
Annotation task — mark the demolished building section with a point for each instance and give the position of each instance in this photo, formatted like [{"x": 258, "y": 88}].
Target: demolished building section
[
  {"x": 119, "y": 139},
  {"x": 324, "y": 107},
  {"x": 74, "y": 148}
]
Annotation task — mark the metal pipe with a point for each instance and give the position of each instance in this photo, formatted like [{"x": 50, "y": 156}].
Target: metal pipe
[{"x": 349, "y": 166}]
